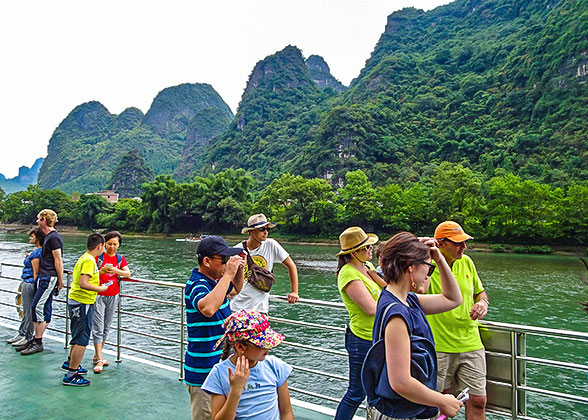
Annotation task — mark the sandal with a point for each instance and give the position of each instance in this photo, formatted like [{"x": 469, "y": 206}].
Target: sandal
[
  {"x": 105, "y": 362},
  {"x": 99, "y": 366}
]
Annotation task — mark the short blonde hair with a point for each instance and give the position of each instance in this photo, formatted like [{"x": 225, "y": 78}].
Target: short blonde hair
[{"x": 49, "y": 215}]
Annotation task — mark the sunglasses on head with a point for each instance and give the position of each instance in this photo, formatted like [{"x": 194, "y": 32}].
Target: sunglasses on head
[
  {"x": 263, "y": 229},
  {"x": 431, "y": 268},
  {"x": 222, "y": 258}
]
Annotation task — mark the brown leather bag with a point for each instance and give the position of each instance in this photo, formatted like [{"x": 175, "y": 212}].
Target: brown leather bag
[{"x": 258, "y": 277}]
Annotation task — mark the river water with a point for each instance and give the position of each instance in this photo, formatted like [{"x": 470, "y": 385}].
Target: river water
[{"x": 533, "y": 290}]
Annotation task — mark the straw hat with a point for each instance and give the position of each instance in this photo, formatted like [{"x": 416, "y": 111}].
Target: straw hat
[
  {"x": 255, "y": 222},
  {"x": 354, "y": 238}
]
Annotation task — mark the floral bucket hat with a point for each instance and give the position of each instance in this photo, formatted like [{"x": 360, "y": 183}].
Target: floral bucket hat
[{"x": 251, "y": 326}]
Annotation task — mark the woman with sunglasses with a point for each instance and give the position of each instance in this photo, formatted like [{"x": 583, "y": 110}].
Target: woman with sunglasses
[
  {"x": 360, "y": 288},
  {"x": 410, "y": 359}
]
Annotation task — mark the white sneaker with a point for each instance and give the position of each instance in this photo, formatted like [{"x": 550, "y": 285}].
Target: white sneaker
[
  {"x": 17, "y": 337},
  {"x": 20, "y": 342}
]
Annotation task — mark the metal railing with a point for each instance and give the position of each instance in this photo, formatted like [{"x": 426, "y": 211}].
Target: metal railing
[{"x": 506, "y": 350}]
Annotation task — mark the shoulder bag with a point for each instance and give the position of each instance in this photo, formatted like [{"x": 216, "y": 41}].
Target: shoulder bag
[{"x": 258, "y": 277}]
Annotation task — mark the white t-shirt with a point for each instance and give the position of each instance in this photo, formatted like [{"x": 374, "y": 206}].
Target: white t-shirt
[
  {"x": 265, "y": 255},
  {"x": 259, "y": 399}
]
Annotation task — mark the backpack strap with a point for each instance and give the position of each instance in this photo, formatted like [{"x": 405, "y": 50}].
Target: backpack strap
[
  {"x": 119, "y": 259},
  {"x": 100, "y": 260}
]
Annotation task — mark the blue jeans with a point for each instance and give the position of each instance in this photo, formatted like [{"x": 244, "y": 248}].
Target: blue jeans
[{"x": 357, "y": 348}]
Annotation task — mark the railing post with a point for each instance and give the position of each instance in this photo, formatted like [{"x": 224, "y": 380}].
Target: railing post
[
  {"x": 514, "y": 374},
  {"x": 118, "y": 319},
  {"x": 183, "y": 322},
  {"x": 67, "y": 286}
]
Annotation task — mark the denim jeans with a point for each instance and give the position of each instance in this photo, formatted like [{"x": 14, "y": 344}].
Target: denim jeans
[{"x": 357, "y": 348}]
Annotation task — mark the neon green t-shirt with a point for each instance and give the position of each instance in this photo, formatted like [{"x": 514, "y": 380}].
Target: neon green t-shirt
[
  {"x": 360, "y": 323},
  {"x": 454, "y": 331},
  {"x": 85, "y": 265}
]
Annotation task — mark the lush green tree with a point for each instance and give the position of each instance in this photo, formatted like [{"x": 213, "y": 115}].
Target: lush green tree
[
  {"x": 456, "y": 194},
  {"x": 124, "y": 216},
  {"x": 574, "y": 213},
  {"x": 522, "y": 210},
  {"x": 157, "y": 197},
  {"x": 359, "y": 200},
  {"x": 303, "y": 205},
  {"x": 88, "y": 208}
]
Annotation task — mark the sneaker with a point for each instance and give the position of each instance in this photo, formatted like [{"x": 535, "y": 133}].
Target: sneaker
[
  {"x": 81, "y": 370},
  {"x": 23, "y": 346},
  {"x": 32, "y": 349},
  {"x": 17, "y": 337},
  {"x": 20, "y": 342},
  {"x": 76, "y": 380}
]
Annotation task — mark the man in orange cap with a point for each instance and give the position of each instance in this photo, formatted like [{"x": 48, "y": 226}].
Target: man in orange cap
[{"x": 460, "y": 352}]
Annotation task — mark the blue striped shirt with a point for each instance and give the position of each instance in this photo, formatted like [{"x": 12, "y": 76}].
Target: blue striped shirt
[{"x": 203, "y": 332}]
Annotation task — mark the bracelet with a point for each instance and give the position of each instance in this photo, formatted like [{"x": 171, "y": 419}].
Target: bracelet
[{"x": 486, "y": 300}]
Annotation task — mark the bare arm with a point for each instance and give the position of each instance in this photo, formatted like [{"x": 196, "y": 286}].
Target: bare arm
[
  {"x": 124, "y": 272},
  {"x": 211, "y": 303},
  {"x": 480, "y": 308},
  {"x": 450, "y": 296},
  {"x": 398, "y": 365},
  {"x": 293, "y": 296},
  {"x": 238, "y": 280},
  {"x": 86, "y": 285},
  {"x": 284, "y": 403},
  {"x": 58, "y": 264},
  {"x": 359, "y": 294}
]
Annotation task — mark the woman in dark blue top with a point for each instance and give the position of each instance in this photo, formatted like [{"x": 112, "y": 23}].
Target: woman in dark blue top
[
  {"x": 409, "y": 345},
  {"x": 27, "y": 288}
]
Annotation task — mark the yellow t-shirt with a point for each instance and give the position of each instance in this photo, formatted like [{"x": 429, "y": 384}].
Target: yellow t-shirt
[
  {"x": 85, "y": 265},
  {"x": 360, "y": 323},
  {"x": 454, "y": 331}
]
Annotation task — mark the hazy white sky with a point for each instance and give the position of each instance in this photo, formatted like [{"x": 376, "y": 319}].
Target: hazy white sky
[{"x": 58, "y": 54}]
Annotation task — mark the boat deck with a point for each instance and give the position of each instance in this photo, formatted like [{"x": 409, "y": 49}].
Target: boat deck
[{"x": 32, "y": 389}]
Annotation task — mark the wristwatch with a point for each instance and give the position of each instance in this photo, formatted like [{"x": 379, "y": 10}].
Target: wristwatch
[{"x": 486, "y": 300}]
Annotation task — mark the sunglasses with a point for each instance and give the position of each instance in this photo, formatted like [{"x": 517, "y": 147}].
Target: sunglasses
[
  {"x": 368, "y": 247},
  {"x": 223, "y": 259},
  {"x": 431, "y": 268},
  {"x": 263, "y": 229},
  {"x": 455, "y": 243}
]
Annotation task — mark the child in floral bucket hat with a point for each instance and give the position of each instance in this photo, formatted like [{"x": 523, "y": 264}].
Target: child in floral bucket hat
[{"x": 248, "y": 383}]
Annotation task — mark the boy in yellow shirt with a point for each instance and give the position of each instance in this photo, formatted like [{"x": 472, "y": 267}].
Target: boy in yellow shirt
[{"x": 82, "y": 295}]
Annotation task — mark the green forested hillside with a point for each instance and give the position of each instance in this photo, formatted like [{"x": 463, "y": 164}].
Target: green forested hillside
[
  {"x": 90, "y": 142},
  {"x": 487, "y": 83}
]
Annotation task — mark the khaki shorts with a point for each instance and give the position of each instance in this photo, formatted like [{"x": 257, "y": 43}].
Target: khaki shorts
[
  {"x": 460, "y": 370},
  {"x": 199, "y": 403}
]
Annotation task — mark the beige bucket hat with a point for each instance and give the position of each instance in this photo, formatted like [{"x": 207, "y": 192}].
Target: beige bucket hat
[{"x": 255, "y": 222}]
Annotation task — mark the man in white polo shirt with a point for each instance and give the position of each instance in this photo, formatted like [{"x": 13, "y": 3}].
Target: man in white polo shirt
[{"x": 264, "y": 252}]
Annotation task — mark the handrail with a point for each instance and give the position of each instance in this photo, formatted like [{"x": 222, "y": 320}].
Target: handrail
[{"x": 516, "y": 354}]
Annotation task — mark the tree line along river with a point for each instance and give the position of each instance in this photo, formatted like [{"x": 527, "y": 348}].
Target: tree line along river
[{"x": 536, "y": 290}]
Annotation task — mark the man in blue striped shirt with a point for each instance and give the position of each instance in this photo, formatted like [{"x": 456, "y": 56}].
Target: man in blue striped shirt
[{"x": 220, "y": 270}]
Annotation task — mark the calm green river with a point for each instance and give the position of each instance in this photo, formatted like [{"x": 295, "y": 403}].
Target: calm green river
[{"x": 542, "y": 291}]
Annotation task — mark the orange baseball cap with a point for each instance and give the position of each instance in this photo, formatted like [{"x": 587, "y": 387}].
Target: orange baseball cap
[{"x": 452, "y": 231}]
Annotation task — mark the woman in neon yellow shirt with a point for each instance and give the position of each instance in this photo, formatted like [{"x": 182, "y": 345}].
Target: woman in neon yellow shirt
[{"x": 360, "y": 288}]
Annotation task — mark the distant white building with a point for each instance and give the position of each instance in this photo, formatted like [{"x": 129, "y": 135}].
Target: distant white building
[{"x": 109, "y": 195}]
